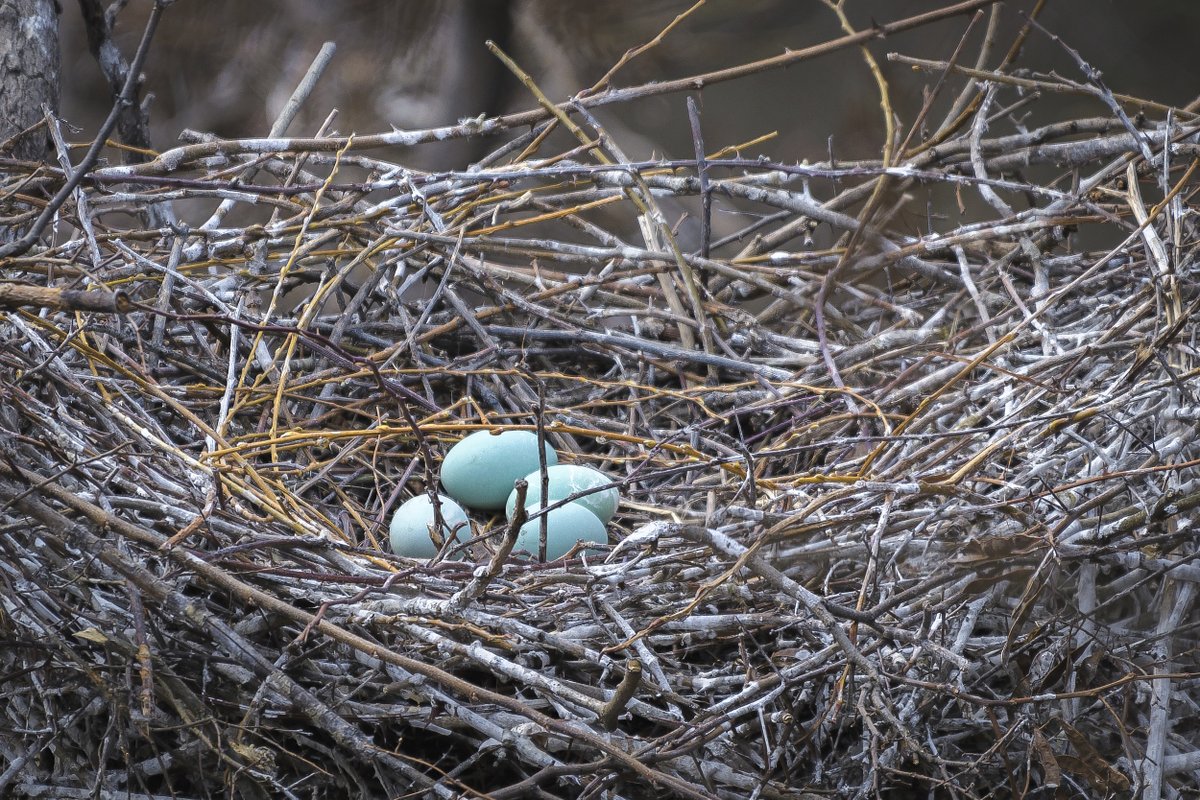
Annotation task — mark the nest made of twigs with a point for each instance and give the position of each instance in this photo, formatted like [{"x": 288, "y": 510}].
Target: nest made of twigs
[{"x": 899, "y": 509}]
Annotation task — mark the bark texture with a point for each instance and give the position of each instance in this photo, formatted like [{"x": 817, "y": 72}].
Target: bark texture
[{"x": 29, "y": 66}]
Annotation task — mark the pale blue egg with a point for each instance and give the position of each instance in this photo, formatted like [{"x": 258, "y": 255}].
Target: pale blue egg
[
  {"x": 566, "y": 480},
  {"x": 480, "y": 470},
  {"x": 411, "y": 523},
  {"x": 564, "y": 526}
]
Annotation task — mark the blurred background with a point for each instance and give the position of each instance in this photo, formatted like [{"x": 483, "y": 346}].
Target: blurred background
[{"x": 227, "y": 67}]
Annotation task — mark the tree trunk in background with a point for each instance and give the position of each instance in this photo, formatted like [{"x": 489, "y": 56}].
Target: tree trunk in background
[{"x": 28, "y": 73}]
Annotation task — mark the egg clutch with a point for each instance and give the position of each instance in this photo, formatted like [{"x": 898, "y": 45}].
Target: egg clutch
[{"x": 479, "y": 472}]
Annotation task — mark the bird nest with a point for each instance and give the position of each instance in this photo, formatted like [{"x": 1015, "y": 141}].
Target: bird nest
[{"x": 904, "y": 507}]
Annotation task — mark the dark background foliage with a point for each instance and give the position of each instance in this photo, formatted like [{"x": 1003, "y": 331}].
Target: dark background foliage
[{"x": 227, "y": 66}]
